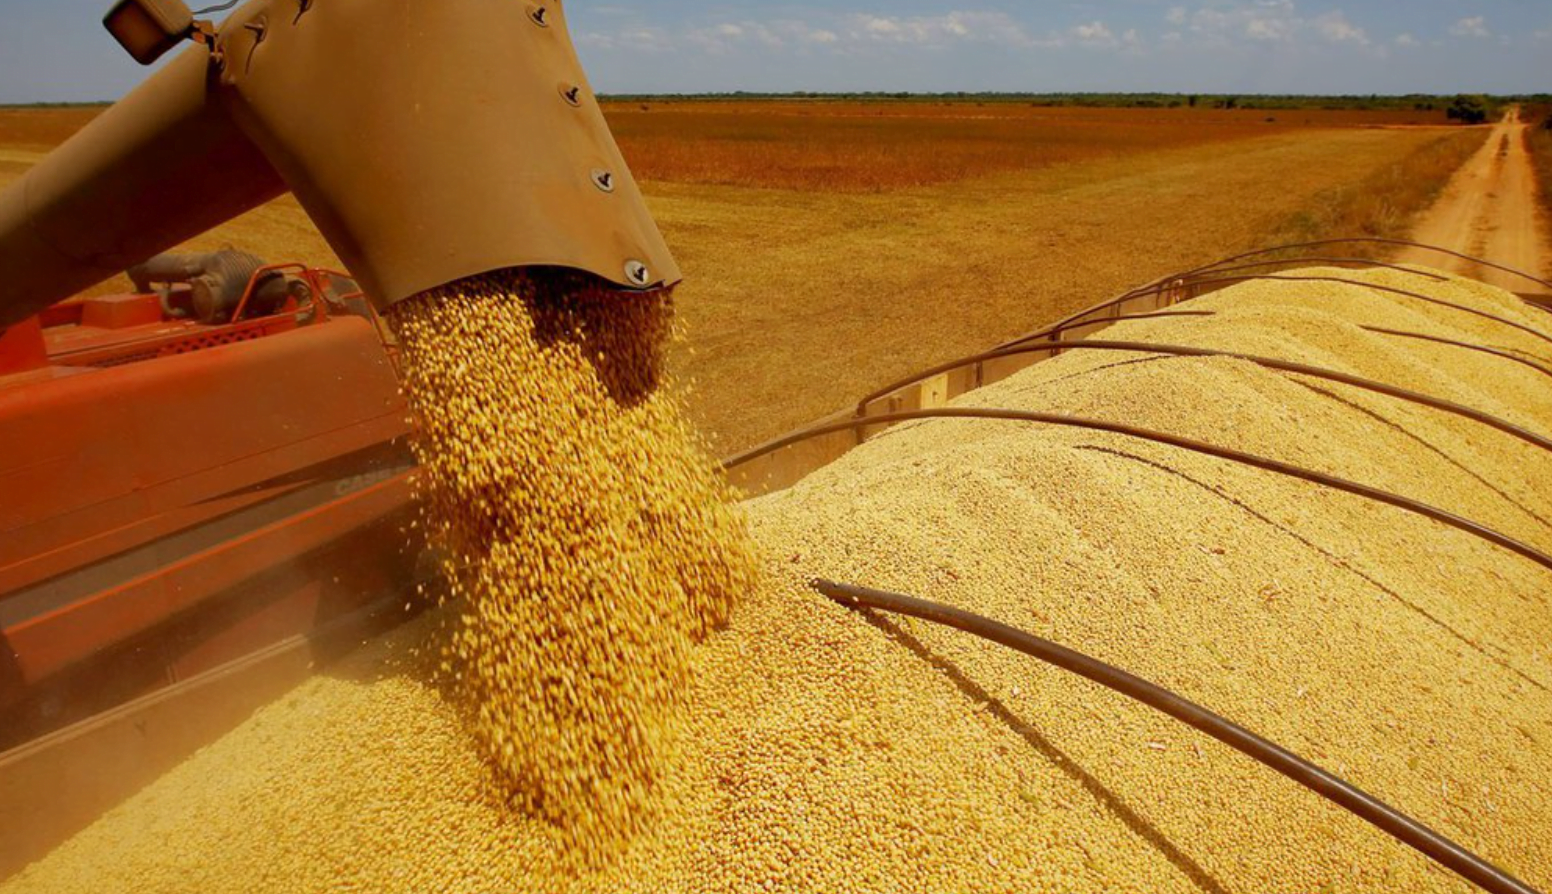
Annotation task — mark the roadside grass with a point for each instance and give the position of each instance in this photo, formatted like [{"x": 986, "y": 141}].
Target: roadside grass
[
  {"x": 1385, "y": 203},
  {"x": 1538, "y": 140}
]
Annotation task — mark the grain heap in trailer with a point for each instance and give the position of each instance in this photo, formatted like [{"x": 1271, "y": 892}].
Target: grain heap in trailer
[{"x": 413, "y": 577}]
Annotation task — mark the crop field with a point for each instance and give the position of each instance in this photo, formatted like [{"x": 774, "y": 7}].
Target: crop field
[
  {"x": 799, "y": 297},
  {"x": 855, "y": 146},
  {"x": 830, "y": 247}
]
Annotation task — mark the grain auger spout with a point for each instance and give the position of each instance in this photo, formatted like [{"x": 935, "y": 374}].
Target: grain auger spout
[{"x": 429, "y": 142}]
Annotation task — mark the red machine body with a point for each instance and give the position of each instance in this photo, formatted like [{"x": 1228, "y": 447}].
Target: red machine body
[{"x": 176, "y": 494}]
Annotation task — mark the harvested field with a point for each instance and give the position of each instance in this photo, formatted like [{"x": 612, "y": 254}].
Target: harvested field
[
  {"x": 865, "y": 146},
  {"x": 798, "y": 299},
  {"x": 873, "y": 147},
  {"x": 42, "y": 129},
  {"x": 828, "y": 753},
  {"x": 795, "y": 303}
]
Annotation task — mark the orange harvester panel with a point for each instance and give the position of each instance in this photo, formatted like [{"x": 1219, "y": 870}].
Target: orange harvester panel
[
  {"x": 22, "y": 349},
  {"x": 137, "y": 495}
]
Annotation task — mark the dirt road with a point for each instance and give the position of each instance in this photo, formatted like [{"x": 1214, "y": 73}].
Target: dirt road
[{"x": 1489, "y": 210}]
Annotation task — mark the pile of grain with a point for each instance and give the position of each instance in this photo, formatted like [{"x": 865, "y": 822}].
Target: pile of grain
[
  {"x": 826, "y": 753},
  {"x": 587, "y": 541}
]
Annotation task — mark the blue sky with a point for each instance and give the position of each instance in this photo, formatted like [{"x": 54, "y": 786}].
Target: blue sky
[{"x": 55, "y": 50}]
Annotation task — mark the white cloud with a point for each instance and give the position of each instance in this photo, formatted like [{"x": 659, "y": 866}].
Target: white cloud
[
  {"x": 1335, "y": 27},
  {"x": 1269, "y": 29},
  {"x": 953, "y": 27},
  {"x": 860, "y": 30},
  {"x": 1206, "y": 24},
  {"x": 840, "y": 34},
  {"x": 1405, "y": 40},
  {"x": 647, "y": 40},
  {"x": 1473, "y": 26},
  {"x": 1258, "y": 20},
  {"x": 1276, "y": 20},
  {"x": 1234, "y": 23},
  {"x": 1095, "y": 34},
  {"x": 882, "y": 26},
  {"x": 724, "y": 38}
]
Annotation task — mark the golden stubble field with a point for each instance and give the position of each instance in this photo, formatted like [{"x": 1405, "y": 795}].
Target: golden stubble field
[
  {"x": 881, "y": 146},
  {"x": 829, "y": 247}
]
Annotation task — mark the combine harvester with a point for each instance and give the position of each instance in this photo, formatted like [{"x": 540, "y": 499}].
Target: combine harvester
[{"x": 206, "y": 485}]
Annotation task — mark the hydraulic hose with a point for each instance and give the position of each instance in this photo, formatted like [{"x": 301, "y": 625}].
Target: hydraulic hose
[
  {"x": 1086, "y": 317},
  {"x": 1481, "y": 349},
  {"x": 1332, "y": 482},
  {"x": 1366, "y": 240},
  {"x": 1184, "y": 279},
  {"x": 1365, "y": 263},
  {"x": 1076, "y": 322},
  {"x": 1272, "y": 277},
  {"x": 1382, "y": 816},
  {"x": 1316, "y": 372}
]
